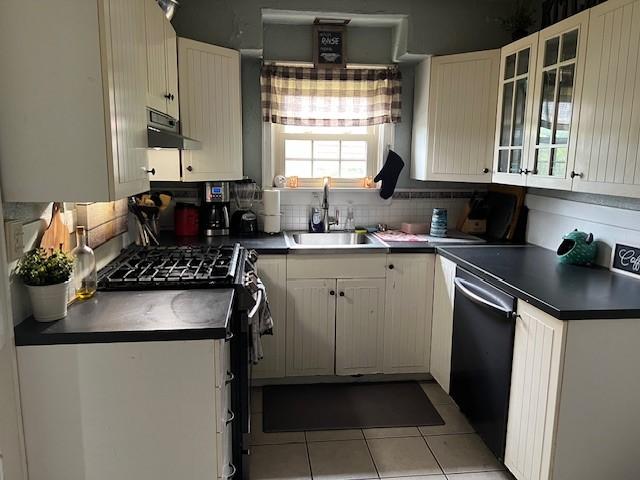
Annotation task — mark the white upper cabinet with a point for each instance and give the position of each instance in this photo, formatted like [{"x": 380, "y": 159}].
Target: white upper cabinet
[
  {"x": 72, "y": 111},
  {"x": 210, "y": 110},
  {"x": 608, "y": 156},
  {"x": 454, "y": 117},
  {"x": 558, "y": 86},
  {"x": 162, "y": 61},
  {"x": 515, "y": 108}
]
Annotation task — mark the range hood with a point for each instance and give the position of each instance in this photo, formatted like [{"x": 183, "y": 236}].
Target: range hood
[{"x": 163, "y": 131}]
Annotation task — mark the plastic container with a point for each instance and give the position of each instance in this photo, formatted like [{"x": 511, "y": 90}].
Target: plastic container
[{"x": 186, "y": 220}]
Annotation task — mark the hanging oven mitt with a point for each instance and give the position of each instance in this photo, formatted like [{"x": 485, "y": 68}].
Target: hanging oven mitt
[{"x": 389, "y": 174}]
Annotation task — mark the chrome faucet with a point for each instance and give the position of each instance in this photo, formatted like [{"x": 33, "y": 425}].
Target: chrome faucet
[{"x": 327, "y": 220}]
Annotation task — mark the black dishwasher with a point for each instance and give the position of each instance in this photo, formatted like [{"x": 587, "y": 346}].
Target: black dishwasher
[{"x": 481, "y": 354}]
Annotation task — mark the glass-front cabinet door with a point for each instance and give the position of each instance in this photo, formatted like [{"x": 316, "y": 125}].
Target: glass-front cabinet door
[
  {"x": 515, "y": 106},
  {"x": 558, "y": 85}
]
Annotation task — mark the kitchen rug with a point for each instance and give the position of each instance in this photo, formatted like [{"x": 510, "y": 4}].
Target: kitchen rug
[{"x": 338, "y": 406}]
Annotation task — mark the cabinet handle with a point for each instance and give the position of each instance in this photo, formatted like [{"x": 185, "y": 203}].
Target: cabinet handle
[
  {"x": 230, "y": 417},
  {"x": 391, "y": 267},
  {"x": 190, "y": 168},
  {"x": 230, "y": 378},
  {"x": 332, "y": 292},
  {"x": 152, "y": 171},
  {"x": 575, "y": 174},
  {"x": 342, "y": 294},
  {"x": 232, "y": 473},
  {"x": 525, "y": 171},
  {"x": 167, "y": 96},
  {"x": 228, "y": 336},
  {"x": 485, "y": 170}
]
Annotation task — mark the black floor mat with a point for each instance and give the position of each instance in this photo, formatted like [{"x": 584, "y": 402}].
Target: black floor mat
[{"x": 337, "y": 406}]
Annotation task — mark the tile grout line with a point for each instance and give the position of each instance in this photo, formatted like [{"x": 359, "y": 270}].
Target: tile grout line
[
  {"x": 306, "y": 446},
  {"x": 366, "y": 442},
  {"x": 424, "y": 439}
]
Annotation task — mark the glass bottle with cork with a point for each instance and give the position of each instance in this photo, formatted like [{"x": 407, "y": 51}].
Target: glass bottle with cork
[{"x": 84, "y": 267}]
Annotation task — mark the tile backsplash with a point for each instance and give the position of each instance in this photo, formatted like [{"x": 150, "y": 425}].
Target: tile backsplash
[{"x": 369, "y": 209}]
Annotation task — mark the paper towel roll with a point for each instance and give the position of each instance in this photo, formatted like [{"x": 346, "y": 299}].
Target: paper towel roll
[
  {"x": 271, "y": 202},
  {"x": 271, "y": 223}
]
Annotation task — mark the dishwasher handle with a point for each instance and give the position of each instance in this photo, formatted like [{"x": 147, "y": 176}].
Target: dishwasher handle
[{"x": 466, "y": 288}]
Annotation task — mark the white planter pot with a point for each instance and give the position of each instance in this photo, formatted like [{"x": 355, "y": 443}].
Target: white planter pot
[{"x": 49, "y": 302}]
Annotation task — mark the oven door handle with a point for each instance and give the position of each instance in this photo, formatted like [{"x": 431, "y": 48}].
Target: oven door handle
[{"x": 464, "y": 288}]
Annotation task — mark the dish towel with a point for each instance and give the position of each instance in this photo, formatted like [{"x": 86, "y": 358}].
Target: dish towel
[
  {"x": 261, "y": 323},
  {"x": 389, "y": 174}
]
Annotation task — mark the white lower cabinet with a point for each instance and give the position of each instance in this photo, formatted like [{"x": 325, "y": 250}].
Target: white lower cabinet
[
  {"x": 133, "y": 410},
  {"x": 273, "y": 273},
  {"x": 535, "y": 380},
  {"x": 442, "y": 328},
  {"x": 408, "y": 311},
  {"x": 359, "y": 326},
  {"x": 311, "y": 327}
]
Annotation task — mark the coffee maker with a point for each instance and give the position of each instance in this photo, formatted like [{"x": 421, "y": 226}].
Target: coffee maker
[{"x": 214, "y": 210}]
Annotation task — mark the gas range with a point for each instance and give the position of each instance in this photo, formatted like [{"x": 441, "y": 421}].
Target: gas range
[
  {"x": 164, "y": 267},
  {"x": 202, "y": 266}
]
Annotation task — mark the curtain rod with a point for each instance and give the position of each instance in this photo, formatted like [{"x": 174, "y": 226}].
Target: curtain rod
[{"x": 278, "y": 63}]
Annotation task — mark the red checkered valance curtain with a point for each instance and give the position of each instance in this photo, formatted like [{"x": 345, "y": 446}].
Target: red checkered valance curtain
[{"x": 330, "y": 97}]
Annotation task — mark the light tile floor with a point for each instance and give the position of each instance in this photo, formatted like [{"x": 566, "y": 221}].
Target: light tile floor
[{"x": 448, "y": 452}]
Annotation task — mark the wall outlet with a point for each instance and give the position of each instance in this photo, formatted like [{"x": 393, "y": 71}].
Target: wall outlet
[{"x": 14, "y": 236}]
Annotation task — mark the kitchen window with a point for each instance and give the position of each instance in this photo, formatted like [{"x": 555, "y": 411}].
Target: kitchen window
[
  {"x": 328, "y": 122},
  {"x": 346, "y": 154}
]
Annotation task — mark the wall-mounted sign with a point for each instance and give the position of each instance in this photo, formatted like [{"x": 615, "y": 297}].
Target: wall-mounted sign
[
  {"x": 626, "y": 259},
  {"x": 329, "y": 46}
]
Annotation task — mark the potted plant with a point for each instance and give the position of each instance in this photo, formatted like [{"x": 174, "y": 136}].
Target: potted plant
[
  {"x": 47, "y": 276},
  {"x": 520, "y": 21}
]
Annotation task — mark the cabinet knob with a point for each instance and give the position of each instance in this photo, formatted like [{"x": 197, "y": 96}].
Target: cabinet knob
[
  {"x": 190, "y": 168},
  {"x": 485, "y": 170},
  {"x": 332, "y": 292},
  {"x": 391, "y": 267},
  {"x": 167, "y": 96},
  {"x": 526, "y": 171},
  {"x": 576, "y": 174},
  {"x": 152, "y": 171},
  {"x": 172, "y": 97},
  {"x": 342, "y": 294}
]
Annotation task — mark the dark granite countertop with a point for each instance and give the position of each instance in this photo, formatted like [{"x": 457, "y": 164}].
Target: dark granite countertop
[
  {"x": 264, "y": 243},
  {"x": 567, "y": 292},
  {"x": 136, "y": 316}
]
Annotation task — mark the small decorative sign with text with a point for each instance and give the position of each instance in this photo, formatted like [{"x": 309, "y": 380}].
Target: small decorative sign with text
[
  {"x": 329, "y": 46},
  {"x": 626, "y": 259}
]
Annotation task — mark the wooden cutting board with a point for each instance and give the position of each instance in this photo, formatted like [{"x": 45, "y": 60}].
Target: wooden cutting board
[{"x": 56, "y": 236}]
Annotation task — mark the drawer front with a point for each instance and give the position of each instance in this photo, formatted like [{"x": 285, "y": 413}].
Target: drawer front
[
  {"x": 222, "y": 362},
  {"x": 337, "y": 266}
]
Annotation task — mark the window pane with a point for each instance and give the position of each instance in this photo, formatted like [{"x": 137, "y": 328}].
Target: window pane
[
  {"x": 503, "y": 160},
  {"x": 353, "y": 150},
  {"x": 551, "y": 51},
  {"x": 547, "y": 107},
  {"x": 516, "y": 161},
  {"x": 569, "y": 45},
  {"x": 326, "y": 169},
  {"x": 297, "y": 149},
  {"x": 559, "y": 168},
  {"x": 523, "y": 62},
  {"x": 300, "y": 168},
  {"x": 543, "y": 159},
  {"x": 565, "y": 94},
  {"x": 505, "y": 129},
  {"x": 353, "y": 169},
  {"x": 518, "y": 113},
  {"x": 509, "y": 66},
  {"x": 326, "y": 149}
]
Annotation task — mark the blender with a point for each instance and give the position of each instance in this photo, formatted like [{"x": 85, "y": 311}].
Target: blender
[{"x": 244, "y": 221}]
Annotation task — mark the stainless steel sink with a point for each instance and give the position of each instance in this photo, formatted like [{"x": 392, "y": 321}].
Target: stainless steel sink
[
  {"x": 332, "y": 242},
  {"x": 330, "y": 239}
]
